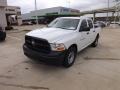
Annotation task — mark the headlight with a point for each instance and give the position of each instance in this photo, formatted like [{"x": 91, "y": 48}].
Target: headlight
[{"x": 57, "y": 47}]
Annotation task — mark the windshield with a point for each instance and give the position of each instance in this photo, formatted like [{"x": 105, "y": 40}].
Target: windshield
[{"x": 70, "y": 24}]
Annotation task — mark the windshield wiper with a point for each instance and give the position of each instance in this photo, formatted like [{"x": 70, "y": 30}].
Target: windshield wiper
[
  {"x": 61, "y": 27},
  {"x": 64, "y": 28}
]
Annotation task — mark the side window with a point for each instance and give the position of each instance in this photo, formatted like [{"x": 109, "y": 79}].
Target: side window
[
  {"x": 83, "y": 25},
  {"x": 90, "y": 23}
]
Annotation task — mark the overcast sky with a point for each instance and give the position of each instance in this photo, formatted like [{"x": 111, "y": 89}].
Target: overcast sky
[{"x": 28, "y": 5}]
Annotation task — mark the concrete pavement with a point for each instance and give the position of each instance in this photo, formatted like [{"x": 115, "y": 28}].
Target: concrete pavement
[{"x": 95, "y": 68}]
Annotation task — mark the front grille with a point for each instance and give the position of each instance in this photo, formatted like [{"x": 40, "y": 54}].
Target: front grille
[{"x": 37, "y": 44}]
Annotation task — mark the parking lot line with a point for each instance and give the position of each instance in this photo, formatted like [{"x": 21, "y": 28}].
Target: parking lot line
[{"x": 14, "y": 38}]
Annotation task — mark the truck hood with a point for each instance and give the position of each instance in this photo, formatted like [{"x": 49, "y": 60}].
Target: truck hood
[{"x": 51, "y": 34}]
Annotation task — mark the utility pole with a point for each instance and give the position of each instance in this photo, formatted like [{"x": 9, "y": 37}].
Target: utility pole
[
  {"x": 68, "y": 1},
  {"x": 108, "y": 4},
  {"x": 36, "y": 17},
  {"x": 69, "y": 7}
]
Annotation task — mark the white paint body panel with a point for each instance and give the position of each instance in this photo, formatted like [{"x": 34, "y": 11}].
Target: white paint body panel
[{"x": 67, "y": 37}]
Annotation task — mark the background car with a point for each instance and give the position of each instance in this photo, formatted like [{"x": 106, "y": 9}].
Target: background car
[
  {"x": 27, "y": 23},
  {"x": 101, "y": 24},
  {"x": 118, "y": 23}
]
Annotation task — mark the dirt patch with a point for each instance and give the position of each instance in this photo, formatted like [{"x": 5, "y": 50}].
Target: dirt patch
[{"x": 7, "y": 77}]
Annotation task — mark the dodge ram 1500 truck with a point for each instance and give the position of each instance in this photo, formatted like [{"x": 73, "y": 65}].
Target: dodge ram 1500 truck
[{"x": 61, "y": 40}]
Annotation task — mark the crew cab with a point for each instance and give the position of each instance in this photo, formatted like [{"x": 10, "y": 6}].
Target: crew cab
[
  {"x": 61, "y": 40},
  {"x": 2, "y": 34}
]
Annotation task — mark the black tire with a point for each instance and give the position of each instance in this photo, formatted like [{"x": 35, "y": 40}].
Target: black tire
[
  {"x": 3, "y": 37},
  {"x": 95, "y": 43},
  {"x": 71, "y": 53}
]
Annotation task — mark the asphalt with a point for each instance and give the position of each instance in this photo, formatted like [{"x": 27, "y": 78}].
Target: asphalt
[{"x": 95, "y": 68}]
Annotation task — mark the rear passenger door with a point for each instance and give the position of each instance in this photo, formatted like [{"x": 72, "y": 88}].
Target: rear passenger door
[
  {"x": 92, "y": 31},
  {"x": 84, "y": 35}
]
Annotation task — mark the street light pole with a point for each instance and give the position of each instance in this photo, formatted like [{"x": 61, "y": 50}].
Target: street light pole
[
  {"x": 36, "y": 17},
  {"x": 69, "y": 7},
  {"x": 108, "y": 2},
  {"x": 68, "y": 1}
]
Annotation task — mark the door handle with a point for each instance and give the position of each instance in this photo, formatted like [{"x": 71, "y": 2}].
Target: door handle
[
  {"x": 82, "y": 39},
  {"x": 93, "y": 31}
]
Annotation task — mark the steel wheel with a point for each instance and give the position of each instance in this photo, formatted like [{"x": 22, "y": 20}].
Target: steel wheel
[{"x": 70, "y": 57}]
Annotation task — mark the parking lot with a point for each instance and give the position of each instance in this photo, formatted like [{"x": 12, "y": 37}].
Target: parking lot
[{"x": 95, "y": 68}]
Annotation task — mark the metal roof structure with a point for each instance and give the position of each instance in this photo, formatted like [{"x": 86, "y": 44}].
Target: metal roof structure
[{"x": 104, "y": 10}]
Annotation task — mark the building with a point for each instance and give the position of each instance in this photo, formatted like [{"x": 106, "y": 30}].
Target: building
[
  {"x": 49, "y": 12},
  {"x": 7, "y": 13},
  {"x": 13, "y": 15},
  {"x": 3, "y": 4}
]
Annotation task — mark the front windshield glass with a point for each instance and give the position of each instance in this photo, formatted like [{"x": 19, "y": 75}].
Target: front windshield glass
[{"x": 70, "y": 24}]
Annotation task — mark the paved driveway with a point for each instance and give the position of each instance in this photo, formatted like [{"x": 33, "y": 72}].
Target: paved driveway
[{"x": 95, "y": 68}]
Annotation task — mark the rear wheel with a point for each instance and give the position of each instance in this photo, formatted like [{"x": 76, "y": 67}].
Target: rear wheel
[
  {"x": 3, "y": 36},
  {"x": 95, "y": 43},
  {"x": 70, "y": 57}
]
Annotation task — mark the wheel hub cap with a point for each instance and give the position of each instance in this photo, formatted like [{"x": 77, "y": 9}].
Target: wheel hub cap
[{"x": 71, "y": 57}]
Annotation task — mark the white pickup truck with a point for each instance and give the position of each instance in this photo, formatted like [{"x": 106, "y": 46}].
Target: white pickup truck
[{"x": 61, "y": 40}]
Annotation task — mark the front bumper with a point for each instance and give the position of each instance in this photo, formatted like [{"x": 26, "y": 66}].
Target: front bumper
[{"x": 52, "y": 57}]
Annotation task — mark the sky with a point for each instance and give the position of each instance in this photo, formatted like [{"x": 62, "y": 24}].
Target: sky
[{"x": 82, "y": 5}]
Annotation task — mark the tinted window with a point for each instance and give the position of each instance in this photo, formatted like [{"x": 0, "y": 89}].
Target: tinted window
[
  {"x": 90, "y": 23},
  {"x": 83, "y": 25}
]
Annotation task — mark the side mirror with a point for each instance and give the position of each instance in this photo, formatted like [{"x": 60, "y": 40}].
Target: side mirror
[{"x": 84, "y": 29}]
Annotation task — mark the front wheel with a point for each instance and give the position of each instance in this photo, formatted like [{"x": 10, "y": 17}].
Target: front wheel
[{"x": 70, "y": 57}]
